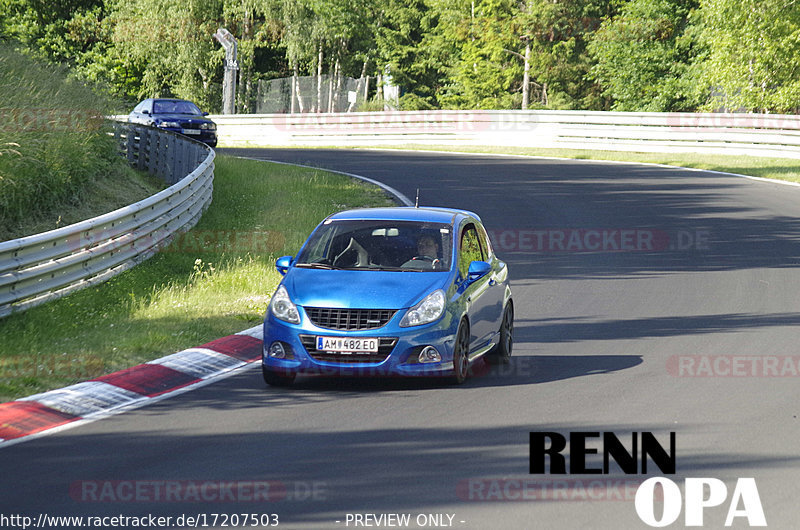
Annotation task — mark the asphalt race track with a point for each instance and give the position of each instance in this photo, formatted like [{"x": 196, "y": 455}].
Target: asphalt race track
[{"x": 647, "y": 299}]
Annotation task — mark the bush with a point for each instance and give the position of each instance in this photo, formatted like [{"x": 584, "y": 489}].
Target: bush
[
  {"x": 372, "y": 105},
  {"x": 414, "y": 102}
]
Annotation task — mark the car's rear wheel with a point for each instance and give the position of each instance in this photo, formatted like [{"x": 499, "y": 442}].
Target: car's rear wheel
[
  {"x": 276, "y": 379},
  {"x": 461, "y": 353},
  {"x": 501, "y": 354}
]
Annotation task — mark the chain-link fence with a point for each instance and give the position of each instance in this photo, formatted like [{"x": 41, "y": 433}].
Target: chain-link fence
[{"x": 325, "y": 93}]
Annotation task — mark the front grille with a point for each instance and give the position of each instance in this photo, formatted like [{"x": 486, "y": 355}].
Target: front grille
[
  {"x": 349, "y": 319},
  {"x": 385, "y": 347}
]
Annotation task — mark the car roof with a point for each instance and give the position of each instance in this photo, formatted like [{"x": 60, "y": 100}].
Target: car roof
[
  {"x": 168, "y": 99},
  {"x": 406, "y": 213}
]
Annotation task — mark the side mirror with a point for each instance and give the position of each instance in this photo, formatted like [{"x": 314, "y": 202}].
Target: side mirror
[
  {"x": 477, "y": 269},
  {"x": 145, "y": 111},
  {"x": 283, "y": 263},
  {"x": 205, "y": 114}
]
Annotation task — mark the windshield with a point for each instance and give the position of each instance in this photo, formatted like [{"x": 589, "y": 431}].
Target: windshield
[
  {"x": 379, "y": 245},
  {"x": 175, "y": 107}
]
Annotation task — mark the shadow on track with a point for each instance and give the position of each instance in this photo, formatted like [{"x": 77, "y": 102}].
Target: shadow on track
[
  {"x": 321, "y": 474},
  {"x": 738, "y": 215},
  {"x": 568, "y": 330}
]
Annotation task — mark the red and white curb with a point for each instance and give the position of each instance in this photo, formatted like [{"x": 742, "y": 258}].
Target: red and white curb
[{"x": 127, "y": 389}]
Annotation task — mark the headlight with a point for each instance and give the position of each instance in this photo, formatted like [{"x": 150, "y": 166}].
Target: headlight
[
  {"x": 429, "y": 309},
  {"x": 282, "y": 307},
  {"x": 171, "y": 124},
  {"x": 209, "y": 126}
]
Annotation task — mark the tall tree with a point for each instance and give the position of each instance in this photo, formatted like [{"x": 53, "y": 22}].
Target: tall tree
[
  {"x": 644, "y": 56},
  {"x": 48, "y": 27},
  {"x": 510, "y": 49},
  {"x": 754, "y": 54},
  {"x": 483, "y": 74},
  {"x": 168, "y": 45},
  {"x": 557, "y": 33},
  {"x": 257, "y": 26},
  {"x": 402, "y": 43},
  {"x": 327, "y": 36}
]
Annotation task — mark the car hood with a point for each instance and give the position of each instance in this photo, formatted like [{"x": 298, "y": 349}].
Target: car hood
[{"x": 361, "y": 289}]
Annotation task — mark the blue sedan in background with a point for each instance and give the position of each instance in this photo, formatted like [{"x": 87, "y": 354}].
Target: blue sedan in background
[
  {"x": 176, "y": 115},
  {"x": 390, "y": 292}
]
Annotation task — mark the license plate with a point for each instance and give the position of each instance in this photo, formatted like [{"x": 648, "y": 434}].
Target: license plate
[
  {"x": 347, "y": 345},
  {"x": 191, "y": 131}
]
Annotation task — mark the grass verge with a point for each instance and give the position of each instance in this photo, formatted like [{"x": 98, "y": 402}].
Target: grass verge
[
  {"x": 99, "y": 194},
  {"x": 212, "y": 281},
  {"x": 58, "y": 165}
]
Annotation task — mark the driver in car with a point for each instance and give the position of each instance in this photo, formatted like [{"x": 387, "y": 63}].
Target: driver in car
[{"x": 427, "y": 254}]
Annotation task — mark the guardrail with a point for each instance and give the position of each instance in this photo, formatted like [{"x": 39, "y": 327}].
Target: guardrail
[
  {"x": 45, "y": 266},
  {"x": 752, "y": 134}
]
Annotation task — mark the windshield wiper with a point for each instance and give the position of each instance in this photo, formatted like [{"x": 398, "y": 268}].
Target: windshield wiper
[
  {"x": 315, "y": 266},
  {"x": 380, "y": 268},
  {"x": 327, "y": 267}
]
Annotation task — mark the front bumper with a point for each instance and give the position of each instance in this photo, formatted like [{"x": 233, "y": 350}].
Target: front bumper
[
  {"x": 398, "y": 351},
  {"x": 207, "y": 136}
]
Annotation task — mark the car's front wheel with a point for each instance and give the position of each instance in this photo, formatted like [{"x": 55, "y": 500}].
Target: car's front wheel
[
  {"x": 461, "y": 354},
  {"x": 276, "y": 379}
]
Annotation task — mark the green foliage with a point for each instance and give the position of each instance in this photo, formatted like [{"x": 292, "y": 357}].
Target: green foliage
[
  {"x": 412, "y": 101},
  {"x": 51, "y": 28},
  {"x": 371, "y": 105},
  {"x": 559, "y": 32},
  {"x": 488, "y": 74},
  {"x": 640, "y": 55},
  {"x": 754, "y": 54},
  {"x": 644, "y": 54},
  {"x": 338, "y": 30},
  {"x": 53, "y": 142},
  {"x": 166, "y": 47},
  {"x": 403, "y": 43}
]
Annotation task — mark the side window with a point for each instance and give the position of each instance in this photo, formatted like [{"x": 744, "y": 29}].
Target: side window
[{"x": 469, "y": 250}]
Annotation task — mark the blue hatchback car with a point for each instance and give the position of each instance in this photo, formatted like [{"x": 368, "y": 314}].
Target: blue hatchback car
[{"x": 390, "y": 292}]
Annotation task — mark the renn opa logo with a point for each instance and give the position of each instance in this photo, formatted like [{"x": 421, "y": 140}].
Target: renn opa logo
[{"x": 699, "y": 493}]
